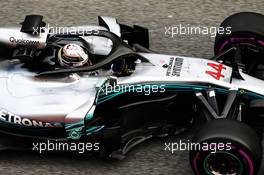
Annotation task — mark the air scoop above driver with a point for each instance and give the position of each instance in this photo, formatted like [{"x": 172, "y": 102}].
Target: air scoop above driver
[{"x": 33, "y": 24}]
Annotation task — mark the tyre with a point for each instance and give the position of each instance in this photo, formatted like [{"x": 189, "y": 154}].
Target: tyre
[
  {"x": 247, "y": 30},
  {"x": 226, "y": 147}
]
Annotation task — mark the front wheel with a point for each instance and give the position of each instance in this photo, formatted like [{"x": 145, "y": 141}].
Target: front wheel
[
  {"x": 226, "y": 147},
  {"x": 246, "y": 30}
]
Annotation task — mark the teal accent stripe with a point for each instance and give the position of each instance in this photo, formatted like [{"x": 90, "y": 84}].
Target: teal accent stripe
[
  {"x": 71, "y": 125},
  {"x": 254, "y": 95},
  {"x": 90, "y": 113},
  {"x": 94, "y": 129},
  {"x": 175, "y": 88}
]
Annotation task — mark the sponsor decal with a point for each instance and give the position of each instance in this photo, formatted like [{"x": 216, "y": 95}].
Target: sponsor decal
[
  {"x": 23, "y": 41},
  {"x": 12, "y": 118},
  {"x": 217, "y": 74},
  {"x": 174, "y": 67}
]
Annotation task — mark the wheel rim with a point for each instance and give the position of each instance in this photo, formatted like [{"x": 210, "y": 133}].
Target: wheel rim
[{"x": 221, "y": 163}]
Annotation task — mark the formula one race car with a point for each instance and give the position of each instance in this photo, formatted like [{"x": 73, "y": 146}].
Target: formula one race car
[{"x": 103, "y": 84}]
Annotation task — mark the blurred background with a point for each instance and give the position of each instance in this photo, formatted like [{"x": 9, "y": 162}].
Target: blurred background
[{"x": 150, "y": 157}]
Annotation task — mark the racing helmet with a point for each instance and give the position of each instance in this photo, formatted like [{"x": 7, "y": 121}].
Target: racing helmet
[{"x": 72, "y": 55}]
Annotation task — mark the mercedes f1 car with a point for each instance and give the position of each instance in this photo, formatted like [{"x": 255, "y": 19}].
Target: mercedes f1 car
[{"x": 103, "y": 84}]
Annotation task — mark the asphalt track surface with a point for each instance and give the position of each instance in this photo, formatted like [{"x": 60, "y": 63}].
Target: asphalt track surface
[{"x": 150, "y": 157}]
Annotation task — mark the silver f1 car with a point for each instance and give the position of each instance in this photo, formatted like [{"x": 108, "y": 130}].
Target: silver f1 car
[{"x": 103, "y": 84}]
